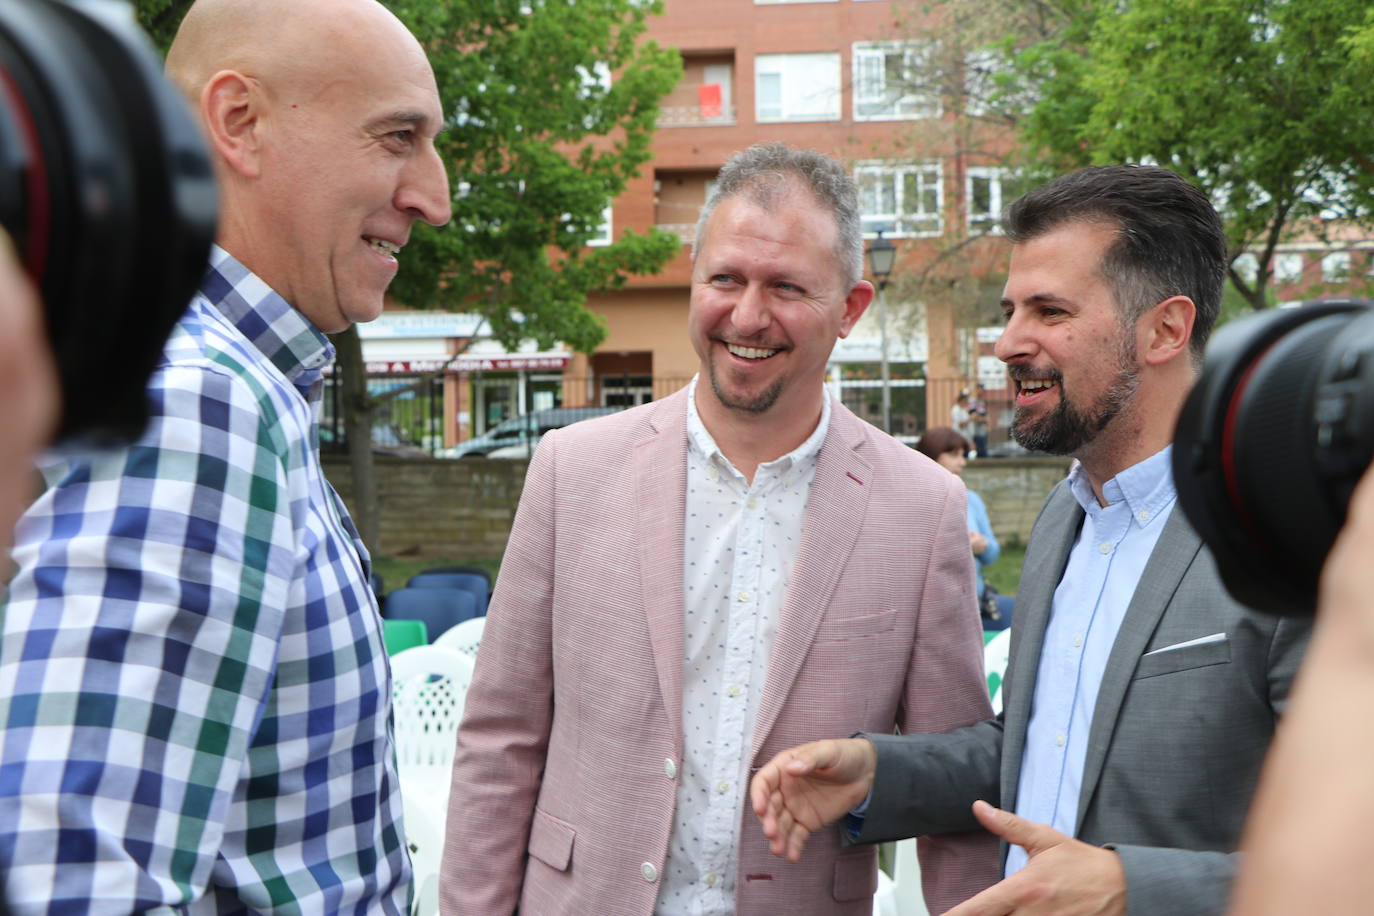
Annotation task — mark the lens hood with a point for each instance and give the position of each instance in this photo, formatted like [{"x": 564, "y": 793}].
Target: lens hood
[{"x": 1270, "y": 441}]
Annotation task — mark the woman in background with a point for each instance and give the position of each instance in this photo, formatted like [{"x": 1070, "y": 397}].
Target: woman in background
[{"x": 950, "y": 449}]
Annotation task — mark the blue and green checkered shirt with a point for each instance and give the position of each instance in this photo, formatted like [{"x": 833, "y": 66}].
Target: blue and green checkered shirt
[{"x": 194, "y": 693}]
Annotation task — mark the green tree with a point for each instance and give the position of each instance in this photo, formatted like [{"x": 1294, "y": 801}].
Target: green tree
[
  {"x": 1263, "y": 104},
  {"x": 1260, "y": 103},
  {"x": 552, "y": 108}
]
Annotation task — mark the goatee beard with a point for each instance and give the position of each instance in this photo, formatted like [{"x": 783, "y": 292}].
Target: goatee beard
[{"x": 759, "y": 403}]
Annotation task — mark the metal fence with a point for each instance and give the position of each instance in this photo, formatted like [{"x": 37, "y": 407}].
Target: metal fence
[{"x": 412, "y": 423}]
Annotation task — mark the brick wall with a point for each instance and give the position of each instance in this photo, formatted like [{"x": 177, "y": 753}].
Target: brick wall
[
  {"x": 464, "y": 509},
  {"x": 459, "y": 509},
  {"x": 1014, "y": 489}
]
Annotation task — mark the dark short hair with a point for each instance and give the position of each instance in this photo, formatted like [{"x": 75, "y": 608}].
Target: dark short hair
[
  {"x": 1170, "y": 240},
  {"x": 766, "y": 171},
  {"x": 941, "y": 440}
]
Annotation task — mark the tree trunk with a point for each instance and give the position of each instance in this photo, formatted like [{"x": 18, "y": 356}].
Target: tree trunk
[{"x": 357, "y": 417}]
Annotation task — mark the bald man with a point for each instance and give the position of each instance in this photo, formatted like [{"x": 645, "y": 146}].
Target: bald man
[{"x": 193, "y": 685}]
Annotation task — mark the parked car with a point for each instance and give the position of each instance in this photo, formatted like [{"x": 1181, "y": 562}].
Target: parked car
[{"x": 516, "y": 437}]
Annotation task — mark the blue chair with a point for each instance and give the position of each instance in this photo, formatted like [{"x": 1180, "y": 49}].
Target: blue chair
[
  {"x": 465, "y": 581},
  {"x": 439, "y": 608},
  {"x": 459, "y": 568}
]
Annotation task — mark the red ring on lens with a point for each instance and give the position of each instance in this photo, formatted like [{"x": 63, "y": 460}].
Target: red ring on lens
[{"x": 38, "y": 202}]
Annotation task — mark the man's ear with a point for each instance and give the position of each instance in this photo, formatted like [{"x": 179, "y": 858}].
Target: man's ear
[
  {"x": 231, "y": 108},
  {"x": 855, "y": 304},
  {"x": 1167, "y": 330}
]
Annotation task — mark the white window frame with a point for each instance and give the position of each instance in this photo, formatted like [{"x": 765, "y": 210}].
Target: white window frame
[
  {"x": 870, "y": 68},
  {"x": 902, "y": 220},
  {"x": 989, "y": 223},
  {"x": 795, "y": 102}
]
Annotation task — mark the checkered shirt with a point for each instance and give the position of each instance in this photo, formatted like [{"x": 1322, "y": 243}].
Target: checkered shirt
[{"x": 194, "y": 694}]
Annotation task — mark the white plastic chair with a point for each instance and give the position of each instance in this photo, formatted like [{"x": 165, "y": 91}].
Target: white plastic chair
[
  {"x": 464, "y": 637},
  {"x": 429, "y": 685},
  {"x": 906, "y": 875},
  {"x": 996, "y": 654},
  {"x": 425, "y": 840}
]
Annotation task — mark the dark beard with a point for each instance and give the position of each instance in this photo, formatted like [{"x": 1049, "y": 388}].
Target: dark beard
[{"x": 1065, "y": 430}]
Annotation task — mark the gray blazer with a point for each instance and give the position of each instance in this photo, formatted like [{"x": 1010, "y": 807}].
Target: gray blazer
[{"x": 1177, "y": 735}]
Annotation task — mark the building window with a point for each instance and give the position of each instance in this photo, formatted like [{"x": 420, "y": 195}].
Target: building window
[
  {"x": 1336, "y": 267},
  {"x": 900, "y": 199},
  {"x": 987, "y": 191},
  {"x": 797, "y": 87},
  {"x": 1287, "y": 268},
  {"x": 887, "y": 85},
  {"x": 601, "y": 235},
  {"x": 1246, "y": 266}
]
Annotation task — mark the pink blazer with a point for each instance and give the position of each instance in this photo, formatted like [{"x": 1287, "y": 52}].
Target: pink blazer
[{"x": 562, "y": 801}]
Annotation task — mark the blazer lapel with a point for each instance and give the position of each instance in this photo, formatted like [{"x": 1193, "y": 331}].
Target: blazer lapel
[
  {"x": 835, "y": 510},
  {"x": 1177, "y": 546},
  {"x": 1047, "y": 555},
  {"x": 660, "y": 506}
]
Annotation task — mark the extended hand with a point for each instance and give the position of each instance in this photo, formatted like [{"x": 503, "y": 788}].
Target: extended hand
[
  {"x": 802, "y": 789},
  {"x": 1064, "y": 877},
  {"x": 977, "y": 542}
]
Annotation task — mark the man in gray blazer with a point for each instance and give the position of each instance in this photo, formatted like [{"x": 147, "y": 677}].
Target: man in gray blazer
[{"x": 1139, "y": 699}]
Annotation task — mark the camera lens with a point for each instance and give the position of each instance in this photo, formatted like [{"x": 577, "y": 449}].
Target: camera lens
[
  {"x": 1271, "y": 442},
  {"x": 107, "y": 190}
]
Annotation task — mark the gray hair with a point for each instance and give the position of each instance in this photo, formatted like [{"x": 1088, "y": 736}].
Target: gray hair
[{"x": 766, "y": 172}]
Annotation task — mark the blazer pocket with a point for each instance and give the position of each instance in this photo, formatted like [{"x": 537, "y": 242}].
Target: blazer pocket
[
  {"x": 856, "y": 874},
  {"x": 856, "y": 626},
  {"x": 1182, "y": 659},
  {"x": 551, "y": 840}
]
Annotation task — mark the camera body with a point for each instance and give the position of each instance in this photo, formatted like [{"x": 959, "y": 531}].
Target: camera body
[
  {"x": 1272, "y": 441},
  {"x": 108, "y": 192}
]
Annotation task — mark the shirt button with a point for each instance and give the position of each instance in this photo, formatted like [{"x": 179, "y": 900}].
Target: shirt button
[
  {"x": 669, "y": 768},
  {"x": 735, "y": 690},
  {"x": 1077, "y": 641},
  {"x": 744, "y": 596},
  {"x": 711, "y": 880},
  {"x": 649, "y": 872},
  {"x": 1143, "y": 515},
  {"x": 1058, "y": 740},
  {"x": 753, "y": 503},
  {"x": 723, "y": 787},
  {"x": 1104, "y": 548}
]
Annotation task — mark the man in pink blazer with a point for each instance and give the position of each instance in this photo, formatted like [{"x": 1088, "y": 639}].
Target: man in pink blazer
[{"x": 698, "y": 583}]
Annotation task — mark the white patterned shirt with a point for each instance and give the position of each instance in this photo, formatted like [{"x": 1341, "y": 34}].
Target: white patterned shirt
[{"x": 740, "y": 540}]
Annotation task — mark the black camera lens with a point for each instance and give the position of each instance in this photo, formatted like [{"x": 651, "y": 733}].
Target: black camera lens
[
  {"x": 107, "y": 190},
  {"x": 1271, "y": 442}
]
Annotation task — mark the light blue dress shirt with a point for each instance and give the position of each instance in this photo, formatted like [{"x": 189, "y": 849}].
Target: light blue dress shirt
[{"x": 1104, "y": 567}]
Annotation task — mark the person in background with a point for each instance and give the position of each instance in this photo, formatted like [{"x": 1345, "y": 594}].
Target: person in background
[
  {"x": 960, "y": 419},
  {"x": 752, "y": 576},
  {"x": 978, "y": 420},
  {"x": 950, "y": 450},
  {"x": 1140, "y": 698},
  {"x": 194, "y": 692}
]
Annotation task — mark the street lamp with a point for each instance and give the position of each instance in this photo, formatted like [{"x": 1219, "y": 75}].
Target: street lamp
[{"x": 881, "y": 255}]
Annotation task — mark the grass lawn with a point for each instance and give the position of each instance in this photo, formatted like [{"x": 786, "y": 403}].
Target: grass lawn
[{"x": 1005, "y": 574}]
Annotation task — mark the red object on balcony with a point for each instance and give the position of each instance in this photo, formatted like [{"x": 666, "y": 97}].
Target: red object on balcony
[{"x": 708, "y": 96}]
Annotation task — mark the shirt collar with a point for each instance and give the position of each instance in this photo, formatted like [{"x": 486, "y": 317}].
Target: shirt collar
[
  {"x": 705, "y": 444},
  {"x": 1147, "y": 487},
  {"x": 286, "y": 337}
]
